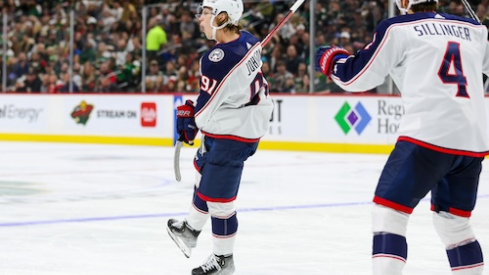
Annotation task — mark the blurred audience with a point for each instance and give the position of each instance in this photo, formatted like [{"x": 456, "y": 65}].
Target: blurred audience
[{"x": 108, "y": 42}]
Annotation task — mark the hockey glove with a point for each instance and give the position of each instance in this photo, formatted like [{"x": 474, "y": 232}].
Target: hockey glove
[
  {"x": 326, "y": 58},
  {"x": 186, "y": 127}
]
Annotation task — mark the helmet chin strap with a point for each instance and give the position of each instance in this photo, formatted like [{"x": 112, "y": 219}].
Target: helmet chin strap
[
  {"x": 215, "y": 28},
  {"x": 401, "y": 9}
]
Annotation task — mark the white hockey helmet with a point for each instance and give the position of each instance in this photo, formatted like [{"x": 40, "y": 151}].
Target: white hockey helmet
[
  {"x": 411, "y": 2},
  {"x": 234, "y": 8}
]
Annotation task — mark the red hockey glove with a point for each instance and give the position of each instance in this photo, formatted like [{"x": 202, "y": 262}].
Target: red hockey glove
[
  {"x": 186, "y": 127},
  {"x": 326, "y": 58}
]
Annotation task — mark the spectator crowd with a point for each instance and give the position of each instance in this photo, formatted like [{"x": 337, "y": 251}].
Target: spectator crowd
[{"x": 107, "y": 42}]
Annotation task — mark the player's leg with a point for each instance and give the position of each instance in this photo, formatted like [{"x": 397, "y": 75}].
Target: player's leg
[
  {"x": 409, "y": 174},
  {"x": 452, "y": 201},
  {"x": 224, "y": 229},
  {"x": 185, "y": 233},
  {"x": 199, "y": 212},
  {"x": 389, "y": 253},
  {"x": 221, "y": 176}
]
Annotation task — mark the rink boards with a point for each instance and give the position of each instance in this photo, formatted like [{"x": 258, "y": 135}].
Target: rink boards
[{"x": 346, "y": 123}]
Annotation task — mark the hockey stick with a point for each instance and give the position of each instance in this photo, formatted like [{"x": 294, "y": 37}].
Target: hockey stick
[
  {"x": 176, "y": 160},
  {"x": 470, "y": 11},
  {"x": 289, "y": 14}
]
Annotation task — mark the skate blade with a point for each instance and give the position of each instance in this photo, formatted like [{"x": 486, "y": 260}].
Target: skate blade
[
  {"x": 226, "y": 272},
  {"x": 186, "y": 251}
]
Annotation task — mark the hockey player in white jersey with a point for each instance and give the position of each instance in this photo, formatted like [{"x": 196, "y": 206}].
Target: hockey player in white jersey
[
  {"x": 437, "y": 62},
  {"x": 232, "y": 112}
]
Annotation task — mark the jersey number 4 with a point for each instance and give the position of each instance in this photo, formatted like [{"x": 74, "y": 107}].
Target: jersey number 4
[{"x": 451, "y": 71}]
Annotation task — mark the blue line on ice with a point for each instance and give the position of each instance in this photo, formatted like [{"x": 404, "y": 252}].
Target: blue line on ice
[{"x": 176, "y": 214}]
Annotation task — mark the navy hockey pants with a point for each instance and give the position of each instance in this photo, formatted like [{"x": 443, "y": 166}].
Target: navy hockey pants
[
  {"x": 412, "y": 171},
  {"x": 221, "y": 167}
]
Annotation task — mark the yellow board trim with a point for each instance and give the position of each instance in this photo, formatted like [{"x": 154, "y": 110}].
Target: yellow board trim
[
  {"x": 326, "y": 147},
  {"x": 88, "y": 139},
  {"x": 264, "y": 145}
]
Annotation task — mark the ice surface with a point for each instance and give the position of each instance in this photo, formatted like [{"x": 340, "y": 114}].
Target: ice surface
[{"x": 102, "y": 209}]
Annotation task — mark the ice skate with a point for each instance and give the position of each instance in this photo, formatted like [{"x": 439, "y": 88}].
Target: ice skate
[
  {"x": 183, "y": 235},
  {"x": 216, "y": 265}
]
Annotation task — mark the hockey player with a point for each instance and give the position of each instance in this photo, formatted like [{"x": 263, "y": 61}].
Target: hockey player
[
  {"x": 232, "y": 112},
  {"x": 437, "y": 62}
]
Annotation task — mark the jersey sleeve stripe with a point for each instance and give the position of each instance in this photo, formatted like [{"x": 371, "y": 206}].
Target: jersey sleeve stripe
[{"x": 348, "y": 79}]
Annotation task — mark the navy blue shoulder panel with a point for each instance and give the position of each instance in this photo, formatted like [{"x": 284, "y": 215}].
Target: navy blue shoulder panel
[
  {"x": 219, "y": 61},
  {"x": 461, "y": 19},
  {"x": 428, "y": 15},
  {"x": 217, "y": 67}
]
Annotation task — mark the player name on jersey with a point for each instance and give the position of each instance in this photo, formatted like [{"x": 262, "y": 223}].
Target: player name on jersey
[
  {"x": 443, "y": 29},
  {"x": 254, "y": 62}
]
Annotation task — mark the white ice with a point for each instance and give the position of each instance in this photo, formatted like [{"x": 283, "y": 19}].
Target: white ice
[{"x": 102, "y": 209}]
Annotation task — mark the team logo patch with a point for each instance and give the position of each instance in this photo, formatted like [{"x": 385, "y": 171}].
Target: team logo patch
[{"x": 216, "y": 55}]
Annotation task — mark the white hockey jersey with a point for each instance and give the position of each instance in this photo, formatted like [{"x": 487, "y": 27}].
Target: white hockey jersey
[
  {"x": 234, "y": 99},
  {"x": 437, "y": 62}
]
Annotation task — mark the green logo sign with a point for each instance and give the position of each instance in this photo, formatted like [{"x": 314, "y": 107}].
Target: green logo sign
[{"x": 348, "y": 118}]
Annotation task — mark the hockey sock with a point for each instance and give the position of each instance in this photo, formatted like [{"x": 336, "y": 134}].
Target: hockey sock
[
  {"x": 224, "y": 234},
  {"x": 389, "y": 253},
  {"x": 466, "y": 259},
  {"x": 199, "y": 213}
]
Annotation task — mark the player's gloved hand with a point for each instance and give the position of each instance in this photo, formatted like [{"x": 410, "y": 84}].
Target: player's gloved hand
[
  {"x": 186, "y": 127},
  {"x": 326, "y": 57}
]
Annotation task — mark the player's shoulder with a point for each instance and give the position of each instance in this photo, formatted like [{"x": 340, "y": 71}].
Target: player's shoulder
[
  {"x": 459, "y": 19},
  {"x": 402, "y": 21},
  {"x": 235, "y": 49},
  {"x": 224, "y": 56},
  {"x": 407, "y": 19}
]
